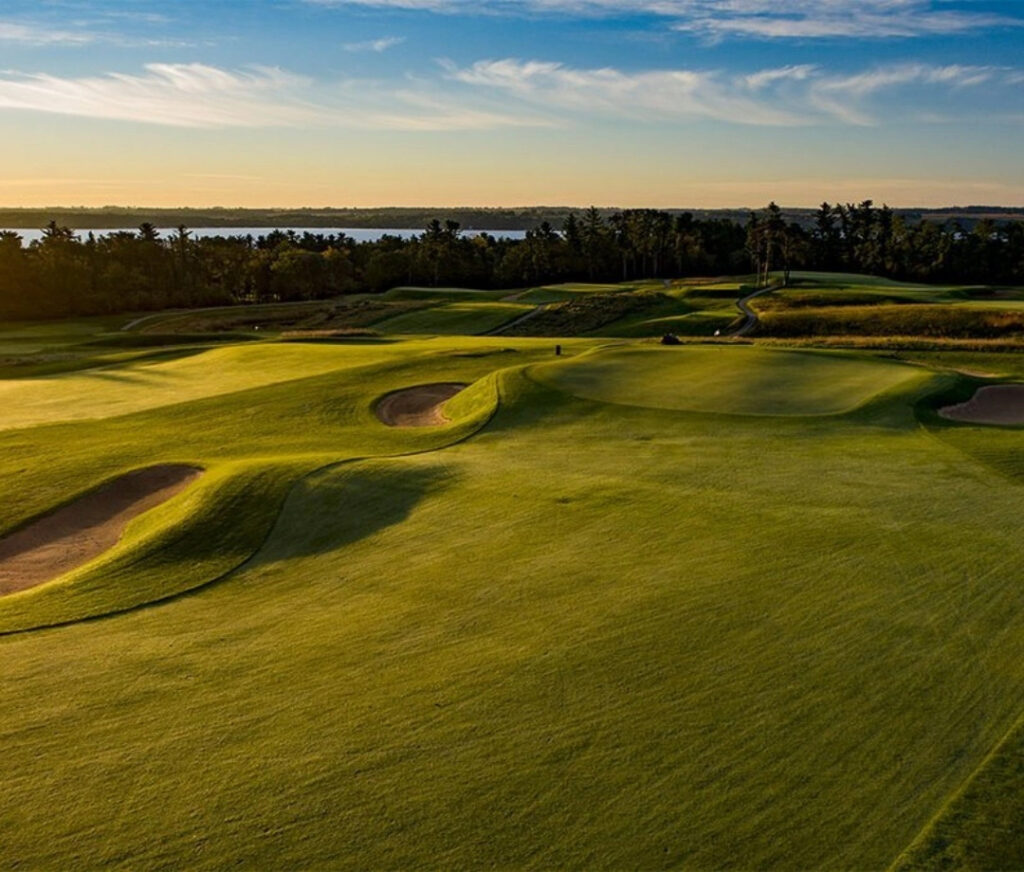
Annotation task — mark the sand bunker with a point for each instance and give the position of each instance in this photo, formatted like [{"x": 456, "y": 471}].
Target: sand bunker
[
  {"x": 82, "y": 530},
  {"x": 995, "y": 404},
  {"x": 417, "y": 407}
]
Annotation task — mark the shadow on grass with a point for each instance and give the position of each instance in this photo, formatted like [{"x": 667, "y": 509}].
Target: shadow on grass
[
  {"x": 158, "y": 340},
  {"x": 344, "y": 504},
  {"x": 137, "y": 369}
]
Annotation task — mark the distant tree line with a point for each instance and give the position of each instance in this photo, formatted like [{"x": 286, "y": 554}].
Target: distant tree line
[
  {"x": 69, "y": 274},
  {"x": 386, "y": 217},
  {"x": 877, "y": 241}
]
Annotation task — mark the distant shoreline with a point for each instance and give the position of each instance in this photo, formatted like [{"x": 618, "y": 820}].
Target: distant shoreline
[{"x": 490, "y": 219}]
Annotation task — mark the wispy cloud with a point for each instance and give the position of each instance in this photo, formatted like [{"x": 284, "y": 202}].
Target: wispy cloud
[
  {"x": 788, "y": 96},
  {"x": 815, "y": 19},
  {"x": 26, "y": 34},
  {"x": 375, "y": 45},
  {"x": 763, "y": 78},
  {"x": 86, "y": 33},
  {"x": 200, "y": 96},
  {"x": 843, "y": 97},
  {"x": 495, "y": 94},
  {"x": 180, "y": 95},
  {"x": 758, "y": 19},
  {"x": 657, "y": 94}
]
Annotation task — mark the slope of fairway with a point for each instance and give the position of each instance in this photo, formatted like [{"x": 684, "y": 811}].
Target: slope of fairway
[
  {"x": 701, "y": 323},
  {"x": 735, "y": 380},
  {"x": 179, "y": 376},
  {"x": 855, "y": 280},
  {"x": 254, "y": 444},
  {"x": 460, "y": 295},
  {"x": 453, "y": 318},
  {"x": 29, "y": 337}
]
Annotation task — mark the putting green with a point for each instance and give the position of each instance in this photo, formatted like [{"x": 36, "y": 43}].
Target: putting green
[{"x": 735, "y": 381}]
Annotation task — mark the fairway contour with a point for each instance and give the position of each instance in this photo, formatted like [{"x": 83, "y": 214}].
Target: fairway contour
[
  {"x": 995, "y": 404},
  {"x": 417, "y": 407},
  {"x": 736, "y": 381},
  {"x": 82, "y": 530}
]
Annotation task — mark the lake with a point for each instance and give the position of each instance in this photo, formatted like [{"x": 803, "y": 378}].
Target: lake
[{"x": 360, "y": 234}]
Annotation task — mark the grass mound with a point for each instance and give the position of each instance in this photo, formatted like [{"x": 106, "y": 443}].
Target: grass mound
[{"x": 734, "y": 380}]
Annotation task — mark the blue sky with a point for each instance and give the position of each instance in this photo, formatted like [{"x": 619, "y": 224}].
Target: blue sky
[{"x": 504, "y": 102}]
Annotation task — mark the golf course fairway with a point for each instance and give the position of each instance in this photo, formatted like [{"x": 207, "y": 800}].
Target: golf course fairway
[{"x": 706, "y": 607}]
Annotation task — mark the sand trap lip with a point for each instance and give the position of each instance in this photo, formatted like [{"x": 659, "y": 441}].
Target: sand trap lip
[
  {"x": 418, "y": 406},
  {"x": 82, "y": 530},
  {"x": 993, "y": 404}
]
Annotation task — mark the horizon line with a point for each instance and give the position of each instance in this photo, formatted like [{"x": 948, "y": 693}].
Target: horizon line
[{"x": 494, "y": 208}]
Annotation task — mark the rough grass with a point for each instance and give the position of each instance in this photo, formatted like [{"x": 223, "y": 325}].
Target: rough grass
[
  {"x": 348, "y": 312},
  {"x": 597, "y": 313},
  {"x": 580, "y": 290},
  {"x": 942, "y": 322}
]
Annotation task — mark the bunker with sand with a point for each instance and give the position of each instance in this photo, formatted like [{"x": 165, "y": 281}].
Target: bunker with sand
[
  {"x": 420, "y": 406},
  {"x": 85, "y": 528},
  {"x": 992, "y": 404}
]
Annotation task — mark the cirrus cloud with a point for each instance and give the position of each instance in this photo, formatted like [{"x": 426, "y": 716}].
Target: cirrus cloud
[
  {"x": 752, "y": 19},
  {"x": 504, "y": 93},
  {"x": 179, "y": 95},
  {"x": 784, "y": 96}
]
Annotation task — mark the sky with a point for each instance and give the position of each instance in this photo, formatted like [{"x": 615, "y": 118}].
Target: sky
[{"x": 660, "y": 103}]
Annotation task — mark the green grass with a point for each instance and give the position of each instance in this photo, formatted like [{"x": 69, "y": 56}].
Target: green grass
[
  {"x": 707, "y": 607},
  {"x": 855, "y": 280},
  {"x": 178, "y": 377},
  {"x": 700, "y": 323},
  {"x": 454, "y": 295},
  {"x": 979, "y": 828},
  {"x": 740, "y": 380},
  {"x": 453, "y": 318}
]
